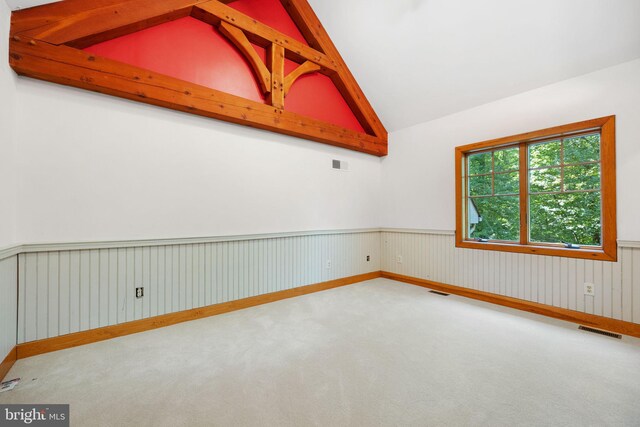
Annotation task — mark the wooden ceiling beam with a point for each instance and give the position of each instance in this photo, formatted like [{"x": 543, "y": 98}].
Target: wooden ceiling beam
[
  {"x": 315, "y": 34},
  {"x": 34, "y": 17},
  {"x": 275, "y": 62},
  {"x": 45, "y": 44},
  {"x": 213, "y": 12},
  {"x": 271, "y": 76},
  {"x": 239, "y": 39},
  {"x": 306, "y": 68},
  {"x": 73, "y": 67},
  {"x": 105, "y": 23}
]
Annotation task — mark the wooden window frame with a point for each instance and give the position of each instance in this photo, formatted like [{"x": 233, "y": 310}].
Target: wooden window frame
[{"x": 608, "y": 250}]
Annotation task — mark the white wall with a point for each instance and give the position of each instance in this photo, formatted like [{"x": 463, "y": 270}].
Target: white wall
[
  {"x": 418, "y": 175},
  {"x": 8, "y": 169},
  {"x": 95, "y": 167}
]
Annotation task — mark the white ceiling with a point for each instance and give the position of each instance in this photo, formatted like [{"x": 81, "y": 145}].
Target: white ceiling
[
  {"x": 421, "y": 59},
  {"x": 418, "y": 60}
]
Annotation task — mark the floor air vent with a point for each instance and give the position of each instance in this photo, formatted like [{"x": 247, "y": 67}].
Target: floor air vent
[
  {"x": 439, "y": 293},
  {"x": 598, "y": 331}
]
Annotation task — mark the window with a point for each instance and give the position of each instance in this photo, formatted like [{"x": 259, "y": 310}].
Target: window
[{"x": 549, "y": 192}]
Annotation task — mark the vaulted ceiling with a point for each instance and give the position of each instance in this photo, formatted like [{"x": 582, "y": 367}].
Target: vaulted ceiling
[{"x": 418, "y": 60}]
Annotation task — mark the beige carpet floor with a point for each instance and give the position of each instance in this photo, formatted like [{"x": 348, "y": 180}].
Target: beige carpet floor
[{"x": 379, "y": 353}]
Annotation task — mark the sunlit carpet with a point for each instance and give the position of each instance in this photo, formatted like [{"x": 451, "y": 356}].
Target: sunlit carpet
[{"x": 378, "y": 353}]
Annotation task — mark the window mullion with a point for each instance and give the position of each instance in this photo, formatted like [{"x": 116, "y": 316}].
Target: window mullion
[
  {"x": 562, "y": 165},
  {"x": 524, "y": 191},
  {"x": 493, "y": 173}
]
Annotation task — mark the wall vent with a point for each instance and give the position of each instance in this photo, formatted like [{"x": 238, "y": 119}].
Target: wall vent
[
  {"x": 439, "y": 293},
  {"x": 339, "y": 164},
  {"x": 598, "y": 331}
]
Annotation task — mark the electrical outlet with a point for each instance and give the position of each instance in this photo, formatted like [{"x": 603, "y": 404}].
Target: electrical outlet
[
  {"x": 139, "y": 292},
  {"x": 328, "y": 263},
  {"x": 368, "y": 258},
  {"x": 399, "y": 259},
  {"x": 589, "y": 289}
]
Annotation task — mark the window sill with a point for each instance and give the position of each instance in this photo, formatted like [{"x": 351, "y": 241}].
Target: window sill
[{"x": 595, "y": 254}]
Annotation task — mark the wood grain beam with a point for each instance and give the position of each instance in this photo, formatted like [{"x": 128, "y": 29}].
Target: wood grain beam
[
  {"x": 43, "y": 39},
  {"x": 239, "y": 39},
  {"x": 214, "y": 11},
  {"x": 275, "y": 60},
  {"x": 306, "y": 68},
  {"x": 315, "y": 34},
  {"x": 72, "y": 67},
  {"x": 115, "y": 20},
  {"x": 34, "y": 17}
]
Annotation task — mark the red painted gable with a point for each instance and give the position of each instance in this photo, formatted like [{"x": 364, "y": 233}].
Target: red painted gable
[{"x": 191, "y": 50}]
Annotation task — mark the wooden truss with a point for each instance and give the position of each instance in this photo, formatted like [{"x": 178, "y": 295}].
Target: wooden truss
[{"x": 46, "y": 42}]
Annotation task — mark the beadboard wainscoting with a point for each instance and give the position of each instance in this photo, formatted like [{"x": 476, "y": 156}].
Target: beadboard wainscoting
[
  {"x": 554, "y": 281},
  {"x": 63, "y": 289},
  {"x": 69, "y": 290},
  {"x": 8, "y": 310}
]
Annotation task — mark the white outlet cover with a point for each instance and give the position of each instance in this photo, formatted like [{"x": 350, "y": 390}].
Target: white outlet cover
[
  {"x": 589, "y": 289},
  {"x": 399, "y": 259}
]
